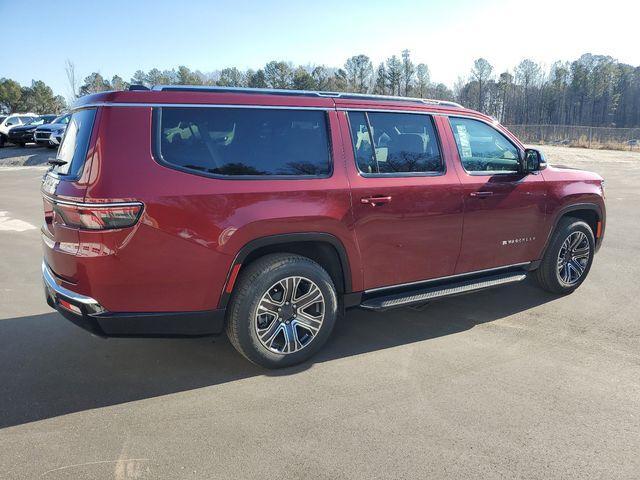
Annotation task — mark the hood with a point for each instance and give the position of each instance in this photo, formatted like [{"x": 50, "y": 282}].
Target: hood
[
  {"x": 24, "y": 128},
  {"x": 561, "y": 171},
  {"x": 47, "y": 127}
]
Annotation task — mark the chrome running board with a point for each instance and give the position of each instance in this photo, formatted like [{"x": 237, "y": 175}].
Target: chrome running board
[{"x": 417, "y": 296}]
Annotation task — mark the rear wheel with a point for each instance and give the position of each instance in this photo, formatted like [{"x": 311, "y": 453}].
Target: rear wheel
[
  {"x": 282, "y": 311},
  {"x": 21, "y": 144},
  {"x": 568, "y": 258},
  {"x": 3, "y": 139}
]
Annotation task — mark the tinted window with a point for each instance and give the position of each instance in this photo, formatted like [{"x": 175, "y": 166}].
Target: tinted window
[
  {"x": 75, "y": 143},
  {"x": 483, "y": 148},
  {"x": 388, "y": 143},
  {"x": 26, "y": 119},
  {"x": 244, "y": 141},
  {"x": 12, "y": 121}
]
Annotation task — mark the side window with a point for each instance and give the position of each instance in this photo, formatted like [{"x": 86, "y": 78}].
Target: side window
[
  {"x": 74, "y": 147},
  {"x": 244, "y": 141},
  {"x": 11, "y": 121},
  {"x": 482, "y": 148},
  {"x": 394, "y": 143}
]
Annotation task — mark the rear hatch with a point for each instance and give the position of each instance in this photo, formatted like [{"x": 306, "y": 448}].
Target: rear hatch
[{"x": 63, "y": 187}]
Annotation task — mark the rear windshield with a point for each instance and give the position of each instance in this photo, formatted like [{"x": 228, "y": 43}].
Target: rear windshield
[
  {"x": 73, "y": 149},
  {"x": 244, "y": 141}
]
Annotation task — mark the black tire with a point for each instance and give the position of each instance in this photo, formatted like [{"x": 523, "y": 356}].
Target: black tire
[
  {"x": 548, "y": 275},
  {"x": 21, "y": 144},
  {"x": 52, "y": 146},
  {"x": 3, "y": 139},
  {"x": 253, "y": 283}
]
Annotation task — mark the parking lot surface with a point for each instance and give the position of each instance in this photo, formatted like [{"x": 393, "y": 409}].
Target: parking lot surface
[{"x": 507, "y": 383}]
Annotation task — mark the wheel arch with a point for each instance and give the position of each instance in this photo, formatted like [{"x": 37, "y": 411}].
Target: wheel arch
[
  {"x": 590, "y": 213},
  {"x": 324, "y": 248}
]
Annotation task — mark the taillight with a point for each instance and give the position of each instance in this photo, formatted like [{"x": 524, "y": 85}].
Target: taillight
[{"x": 98, "y": 217}]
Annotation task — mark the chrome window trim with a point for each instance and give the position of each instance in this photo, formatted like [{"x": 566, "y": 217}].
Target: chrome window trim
[{"x": 418, "y": 282}]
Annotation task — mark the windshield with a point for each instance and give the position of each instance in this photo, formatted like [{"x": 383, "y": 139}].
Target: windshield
[
  {"x": 63, "y": 119},
  {"x": 37, "y": 121}
]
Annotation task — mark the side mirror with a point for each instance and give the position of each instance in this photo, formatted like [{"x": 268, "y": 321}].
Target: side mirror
[{"x": 534, "y": 160}]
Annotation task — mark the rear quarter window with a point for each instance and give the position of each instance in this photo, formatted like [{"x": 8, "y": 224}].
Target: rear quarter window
[
  {"x": 241, "y": 142},
  {"x": 75, "y": 143}
]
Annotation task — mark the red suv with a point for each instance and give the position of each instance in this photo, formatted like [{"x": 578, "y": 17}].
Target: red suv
[{"x": 183, "y": 211}]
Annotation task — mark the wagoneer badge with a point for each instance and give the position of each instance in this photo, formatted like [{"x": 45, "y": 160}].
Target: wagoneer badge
[{"x": 518, "y": 240}]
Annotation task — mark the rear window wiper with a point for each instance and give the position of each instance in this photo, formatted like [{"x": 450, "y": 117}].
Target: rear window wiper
[{"x": 57, "y": 162}]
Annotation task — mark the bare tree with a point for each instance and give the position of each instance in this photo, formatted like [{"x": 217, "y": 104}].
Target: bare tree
[
  {"x": 70, "y": 70},
  {"x": 359, "y": 70},
  {"x": 481, "y": 72},
  {"x": 408, "y": 70},
  {"x": 423, "y": 80}
]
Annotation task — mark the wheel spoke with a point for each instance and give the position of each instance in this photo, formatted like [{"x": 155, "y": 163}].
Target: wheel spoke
[
  {"x": 576, "y": 239},
  {"x": 268, "y": 306},
  {"x": 291, "y": 341},
  {"x": 577, "y": 266},
  {"x": 581, "y": 251},
  {"x": 268, "y": 334},
  {"x": 308, "y": 322},
  {"x": 314, "y": 295},
  {"x": 573, "y": 272}
]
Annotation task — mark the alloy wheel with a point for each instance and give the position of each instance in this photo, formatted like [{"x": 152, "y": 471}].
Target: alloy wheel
[
  {"x": 573, "y": 258},
  {"x": 289, "y": 315}
]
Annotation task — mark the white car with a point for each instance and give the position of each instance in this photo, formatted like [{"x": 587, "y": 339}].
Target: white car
[
  {"x": 9, "y": 121},
  {"x": 50, "y": 134}
]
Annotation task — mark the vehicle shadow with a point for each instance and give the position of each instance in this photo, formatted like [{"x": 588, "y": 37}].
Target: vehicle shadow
[{"x": 50, "y": 367}]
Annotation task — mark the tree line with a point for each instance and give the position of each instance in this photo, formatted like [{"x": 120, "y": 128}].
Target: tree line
[
  {"x": 38, "y": 98},
  {"x": 592, "y": 90}
]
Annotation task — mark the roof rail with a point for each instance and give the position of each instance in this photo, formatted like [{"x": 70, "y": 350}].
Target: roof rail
[{"x": 301, "y": 93}]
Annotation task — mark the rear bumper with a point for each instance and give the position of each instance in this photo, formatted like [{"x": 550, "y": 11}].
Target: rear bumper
[{"x": 87, "y": 313}]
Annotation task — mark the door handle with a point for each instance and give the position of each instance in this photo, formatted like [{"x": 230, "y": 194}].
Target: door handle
[
  {"x": 375, "y": 201},
  {"x": 481, "y": 194}
]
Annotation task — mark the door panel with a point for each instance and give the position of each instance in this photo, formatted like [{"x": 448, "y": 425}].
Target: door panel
[
  {"x": 504, "y": 211},
  {"x": 408, "y": 228}
]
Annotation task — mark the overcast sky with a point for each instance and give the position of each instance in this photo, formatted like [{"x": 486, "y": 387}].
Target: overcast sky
[{"x": 120, "y": 37}]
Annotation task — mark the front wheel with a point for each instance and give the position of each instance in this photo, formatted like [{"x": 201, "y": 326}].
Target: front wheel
[
  {"x": 282, "y": 311},
  {"x": 568, "y": 258},
  {"x": 3, "y": 139}
]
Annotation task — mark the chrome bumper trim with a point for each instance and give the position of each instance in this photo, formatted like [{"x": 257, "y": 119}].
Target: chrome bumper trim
[{"x": 50, "y": 282}]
